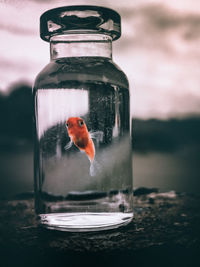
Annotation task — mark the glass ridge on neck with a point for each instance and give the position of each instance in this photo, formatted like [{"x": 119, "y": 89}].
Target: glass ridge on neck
[{"x": 80, "y": 45}]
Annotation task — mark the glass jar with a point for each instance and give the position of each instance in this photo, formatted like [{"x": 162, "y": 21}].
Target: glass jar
[{"x": 83, "y": 156}]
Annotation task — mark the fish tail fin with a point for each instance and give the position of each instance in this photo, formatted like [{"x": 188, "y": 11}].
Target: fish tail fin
[
  {"x": 90, "y": 151},
  {"x": 95, "y": 168}
]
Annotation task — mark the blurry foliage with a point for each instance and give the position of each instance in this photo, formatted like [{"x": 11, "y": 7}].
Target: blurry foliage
[
  {"x": 167, "y": 136},
  {"x": 16, "y": 112}
]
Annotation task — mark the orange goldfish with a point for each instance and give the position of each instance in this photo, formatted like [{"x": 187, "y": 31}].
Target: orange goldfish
[
  {"x": 79, "y": 135},
  {"x": 78, "y": 132}
]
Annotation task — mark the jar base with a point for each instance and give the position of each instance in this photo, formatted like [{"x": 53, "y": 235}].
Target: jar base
[{"x": 85, "y": 222}]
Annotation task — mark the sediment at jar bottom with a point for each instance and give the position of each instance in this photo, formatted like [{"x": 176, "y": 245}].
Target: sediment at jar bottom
[{"x": 85, "y": 201}]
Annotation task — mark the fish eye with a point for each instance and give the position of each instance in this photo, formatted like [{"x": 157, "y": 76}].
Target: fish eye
[
  {"x": 81, "y": 123},
  {"x": 67, "y": 124}
]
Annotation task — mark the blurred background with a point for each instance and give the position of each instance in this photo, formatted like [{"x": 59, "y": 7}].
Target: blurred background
[{"x": 159, "y": 52}]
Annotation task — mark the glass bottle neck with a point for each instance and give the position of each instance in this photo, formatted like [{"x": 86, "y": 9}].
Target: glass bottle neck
[{"x": 80, "y": 45}]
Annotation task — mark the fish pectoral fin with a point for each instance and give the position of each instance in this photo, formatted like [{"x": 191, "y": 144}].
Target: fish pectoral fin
[
  {"x": 97, "y": 135},
  {"x": 68, "y": 145}
]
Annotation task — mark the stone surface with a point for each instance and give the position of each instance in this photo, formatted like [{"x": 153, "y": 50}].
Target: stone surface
[{"x": 165, "y": 231}]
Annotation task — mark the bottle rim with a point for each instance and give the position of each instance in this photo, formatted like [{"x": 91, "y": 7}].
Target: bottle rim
[{"x": 80, "y": 19}]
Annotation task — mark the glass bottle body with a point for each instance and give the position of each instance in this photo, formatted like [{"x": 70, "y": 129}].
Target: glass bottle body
[{"x": 74, "y": 192}]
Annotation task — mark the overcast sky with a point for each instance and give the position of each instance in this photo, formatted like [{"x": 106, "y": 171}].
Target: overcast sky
[{"x": 159, "y": 50}]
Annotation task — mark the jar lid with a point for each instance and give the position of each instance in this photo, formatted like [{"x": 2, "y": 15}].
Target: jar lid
[{"x": 80, "y": 19}]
